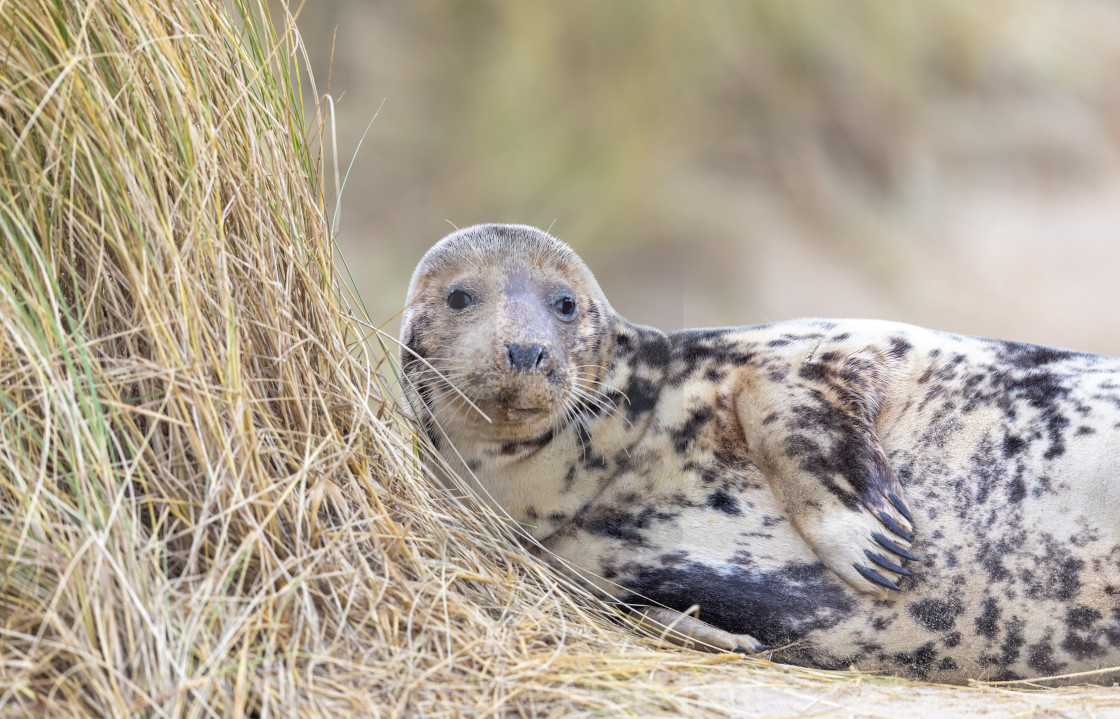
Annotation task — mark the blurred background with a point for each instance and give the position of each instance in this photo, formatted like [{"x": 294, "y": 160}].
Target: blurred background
[{"x": 952, "y": 164}]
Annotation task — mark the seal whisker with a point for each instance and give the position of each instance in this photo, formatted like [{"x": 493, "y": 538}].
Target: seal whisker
[
  {"x": 596, "y": 399},
  {"x": 437, "y": 380},
  {"x": 453, "y": 387},
  {"x": 599, "y": 399}
]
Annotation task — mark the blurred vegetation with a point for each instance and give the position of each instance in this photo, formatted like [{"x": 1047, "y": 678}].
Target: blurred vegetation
[{"x": 747, "y": 160}]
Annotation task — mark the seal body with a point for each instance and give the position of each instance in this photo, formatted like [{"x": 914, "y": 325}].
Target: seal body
[{"x": 852, "y": 493}]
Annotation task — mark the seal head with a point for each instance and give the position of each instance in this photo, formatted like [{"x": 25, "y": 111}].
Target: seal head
[{"x": 507, "y": 322}]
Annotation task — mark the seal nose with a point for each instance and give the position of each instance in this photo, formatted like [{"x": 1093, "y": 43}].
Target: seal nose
[{"x": 525, "y": 357}]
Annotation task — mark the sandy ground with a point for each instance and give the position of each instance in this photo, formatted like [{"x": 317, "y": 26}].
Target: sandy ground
[{"x": 919, "y": 702}]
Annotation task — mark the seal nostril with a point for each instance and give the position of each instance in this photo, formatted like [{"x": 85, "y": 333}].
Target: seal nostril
[{"x": 523, "y": 357}]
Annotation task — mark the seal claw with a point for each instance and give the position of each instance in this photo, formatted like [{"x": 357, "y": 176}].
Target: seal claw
[
  {"x": 873, "y": 576},
  {"x": 891, "y": 546},
  {"x": 887, "y": 564},
  {"x": 740, "y": 649},
  {"x": 895, "y": 526},
  {"x": 900, "y": 506}
]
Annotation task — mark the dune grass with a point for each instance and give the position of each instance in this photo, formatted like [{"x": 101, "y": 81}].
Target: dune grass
[{"x": 210, "y": 504}]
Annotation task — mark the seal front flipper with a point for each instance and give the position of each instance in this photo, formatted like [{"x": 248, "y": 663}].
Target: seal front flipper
[
  {"x": 811, "y": 430},
  {"x": 685, "y": 630}
]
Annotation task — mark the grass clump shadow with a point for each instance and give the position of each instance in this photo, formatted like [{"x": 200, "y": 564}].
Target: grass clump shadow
[{"x": 210, "y": 503}]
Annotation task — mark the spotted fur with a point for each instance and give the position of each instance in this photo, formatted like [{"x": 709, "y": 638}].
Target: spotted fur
[{"x": 850, "y": 492}]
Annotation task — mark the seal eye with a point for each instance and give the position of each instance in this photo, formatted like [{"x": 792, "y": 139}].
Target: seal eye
[
  {"x": 459, "y": 300},
  {"x": 565, "y": 307}
]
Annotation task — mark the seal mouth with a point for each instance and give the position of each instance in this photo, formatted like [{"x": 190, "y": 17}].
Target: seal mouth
[{"x": 524, "y": 414}]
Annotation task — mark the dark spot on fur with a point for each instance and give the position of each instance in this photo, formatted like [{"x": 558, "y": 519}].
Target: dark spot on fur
[
  {"x": 1082, "y": 617},
  {"x": 642, "y": 395},
  {"x": 1112, "y": 633},
  {"x": 1081, "y": 648},
  {"x": 1016, "y": 490},
  {"x": 683, "y": 437},
  {"x": 899, "y": 347},
  {"x": 570, "y": 478},
  {"x": 777, "y": 607},
  {"x": 583, "y": 437},
  {"x": 951, "y": 640},
  {"x": 594, "y": 462},
  {"x": 1012, "y": 445},
  {"x": 918, "y": 662},
  {"x": 936, "y": 615},
  {"x": 1012, "y": 642},
  {"x": 1055, "y": 425},
  {"x": 814, "y": 371},
  {"x": 527, "y": 445},
  {"x": 1083, "y": 430},
  {"x": 698, "y": 350},
  {"x": 653, "y": 349},
  {"x": 1009, "y": 651},
  {"x": 625, "y": 526},
  {"x": 1028, "y": 356},
  {"x": 1040, "y": 657},
  {"x": 672, "y": 559},
  {"x": 721, "y": 501},
  {"x": 1057, "y": 575},
  {"x": 987, "y": 624},
  {"x": 870, "y": 647},
  {"x": 991, "y": 559},
  {"x": 947, "y": 664}
]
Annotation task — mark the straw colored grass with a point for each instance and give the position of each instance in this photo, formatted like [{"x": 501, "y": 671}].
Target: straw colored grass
[{"x": 210, "y": 504}]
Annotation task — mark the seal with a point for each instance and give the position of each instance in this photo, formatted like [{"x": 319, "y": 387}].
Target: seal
[{"x": 847, "y": 493}]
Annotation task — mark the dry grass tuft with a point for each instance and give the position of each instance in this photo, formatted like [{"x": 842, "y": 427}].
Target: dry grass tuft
[{"x": 209, "y": 503}]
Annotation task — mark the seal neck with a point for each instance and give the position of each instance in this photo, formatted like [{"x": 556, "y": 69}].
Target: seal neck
[{"x": 585, "y": 459}]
